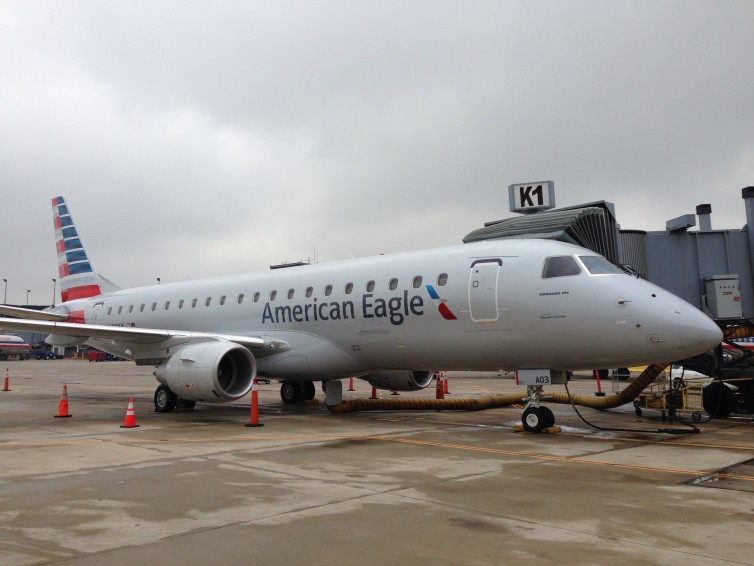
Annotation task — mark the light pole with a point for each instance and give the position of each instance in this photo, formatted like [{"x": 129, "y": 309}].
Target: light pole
[
  {"x": 54, "y": 281},
  {"x": 5, "y": 295},
  {"x": 27, "y": 296}
]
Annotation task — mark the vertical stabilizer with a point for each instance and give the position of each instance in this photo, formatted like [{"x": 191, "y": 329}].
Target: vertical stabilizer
[{"x": 78, "y": 280}]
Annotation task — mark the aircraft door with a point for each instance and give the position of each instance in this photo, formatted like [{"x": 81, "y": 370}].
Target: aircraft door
[
  {"x": 95, "y": 312},
  {"x": 483, "y": 289}
]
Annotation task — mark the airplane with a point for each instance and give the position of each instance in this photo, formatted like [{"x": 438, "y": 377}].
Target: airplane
[
  {"x": 13, "y": 346},
  {"x": 392, "y": 320}
]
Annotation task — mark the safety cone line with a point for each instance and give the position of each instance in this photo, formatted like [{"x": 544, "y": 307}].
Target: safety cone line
[
  {"x": 439, "y": 390},
  {"x": 374, "y": 393},
  {"x": 254, "y": 419},
  {"x": 445, "y": 386},
  {"x": 63, "y": 404},
  {"x": 130, "y": 420},
  {"x": 350, "y": 384},
  {"x": 7, "y": 380}
]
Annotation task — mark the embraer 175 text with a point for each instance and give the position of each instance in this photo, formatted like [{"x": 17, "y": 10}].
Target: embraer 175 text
[{"x": 392, "y": 320}]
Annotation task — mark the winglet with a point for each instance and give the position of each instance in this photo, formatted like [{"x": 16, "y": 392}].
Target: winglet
[{"x": 78, "y": 280}]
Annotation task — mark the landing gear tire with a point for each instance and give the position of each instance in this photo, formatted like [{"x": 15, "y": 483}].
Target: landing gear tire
[
  {"x": 718, "y": 400},
  {"x": 290, "y": 392},
  {"x": 534, "y": 419},
  {"x": 164, "y": 399},
  {"x": 549, "y": 416},
  {"x": 308, "y": 391}
]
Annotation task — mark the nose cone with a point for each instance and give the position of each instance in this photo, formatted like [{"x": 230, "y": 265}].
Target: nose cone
[{"x": 697, "y": 332}]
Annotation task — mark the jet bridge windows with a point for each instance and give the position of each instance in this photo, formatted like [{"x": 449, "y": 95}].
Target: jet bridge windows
[
  {"x": 598, "y": 265},
  {"x": 561, "y": 266}
]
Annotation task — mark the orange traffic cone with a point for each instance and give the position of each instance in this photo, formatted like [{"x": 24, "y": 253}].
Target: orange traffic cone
[
  {"x": 394, "y": 392},
  {"x": 7, "y": 381},
  {"x": 130, "y": 421},
  {"x": 350, "y": 384},
  {"x": 254, "y": 421},
  {"x": 439, "y": 391},
  {"x": 374, "y": 393},
  {"x": 63, "y": 405},
  {"x": 445, "y": 384}
]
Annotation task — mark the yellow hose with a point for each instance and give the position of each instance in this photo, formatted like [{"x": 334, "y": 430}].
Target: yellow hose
[
  {"x": 456, "y": 404},
  {"x": 492, "y": 401}
]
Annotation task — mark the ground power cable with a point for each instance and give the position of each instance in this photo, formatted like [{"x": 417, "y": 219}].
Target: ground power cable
[{"x": 693, "y": 429}]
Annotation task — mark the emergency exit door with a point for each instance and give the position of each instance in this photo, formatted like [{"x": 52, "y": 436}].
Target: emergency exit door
[{"x": 483, "y": 289}]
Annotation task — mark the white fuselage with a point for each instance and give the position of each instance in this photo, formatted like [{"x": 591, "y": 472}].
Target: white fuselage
[{"x": 355, "y": 316}]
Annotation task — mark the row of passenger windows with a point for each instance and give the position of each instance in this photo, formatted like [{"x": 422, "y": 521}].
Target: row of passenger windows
[{"x": 392, "y": 285}]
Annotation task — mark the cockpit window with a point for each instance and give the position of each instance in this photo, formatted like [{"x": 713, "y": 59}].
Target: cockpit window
[
  {"x": 560, "y": 267},
  {"x": 598, "y": 265}
]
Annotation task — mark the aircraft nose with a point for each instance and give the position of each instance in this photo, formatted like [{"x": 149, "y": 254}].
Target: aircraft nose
[{"x": 697, "y": 332}]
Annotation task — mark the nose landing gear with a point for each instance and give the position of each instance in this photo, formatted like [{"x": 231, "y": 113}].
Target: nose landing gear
[{"x": 536, "y": 417}]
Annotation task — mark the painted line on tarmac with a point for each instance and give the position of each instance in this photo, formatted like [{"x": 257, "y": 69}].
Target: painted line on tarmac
[
  {"x": 566, "y": 459},
  {"x": 428, "y": 443}
]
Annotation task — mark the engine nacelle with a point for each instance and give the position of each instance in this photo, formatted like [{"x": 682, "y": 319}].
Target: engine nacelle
[
  {"x": 400, "y": 380},
  {"x": 212, "y": 372}
]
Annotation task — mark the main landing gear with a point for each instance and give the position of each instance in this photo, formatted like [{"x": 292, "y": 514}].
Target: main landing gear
[
  {"x": 292, "y": 392},
  {"x": 165, "y": 401},
  {"x": 536, "y": 417}
]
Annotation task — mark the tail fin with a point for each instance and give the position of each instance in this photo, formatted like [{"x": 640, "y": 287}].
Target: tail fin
[{"x": 78, "y": 280}]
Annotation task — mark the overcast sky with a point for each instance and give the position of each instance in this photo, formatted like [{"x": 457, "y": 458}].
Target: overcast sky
[{"x": 193, "y": 139}]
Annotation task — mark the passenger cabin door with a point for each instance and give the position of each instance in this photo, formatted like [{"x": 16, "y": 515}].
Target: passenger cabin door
[{"x": 483, "y": 289}]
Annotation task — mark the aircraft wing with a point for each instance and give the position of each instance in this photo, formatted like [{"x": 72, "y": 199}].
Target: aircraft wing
[
  {"x": 31, "y": 314},
  {"x": 138, "y": 335}
]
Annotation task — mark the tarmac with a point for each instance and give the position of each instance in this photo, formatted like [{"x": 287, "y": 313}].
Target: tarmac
[{"x": 311, "y": 487}]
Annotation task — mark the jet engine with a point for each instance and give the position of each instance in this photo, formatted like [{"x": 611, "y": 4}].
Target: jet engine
[
  {"x": 400, "y": 380},
  {"x": 212, "y": 372}
]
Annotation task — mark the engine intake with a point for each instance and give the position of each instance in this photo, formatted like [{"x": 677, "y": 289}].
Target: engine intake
[
  {"x": 212, "y": 372},
  {"x": 400, "y": 380}
]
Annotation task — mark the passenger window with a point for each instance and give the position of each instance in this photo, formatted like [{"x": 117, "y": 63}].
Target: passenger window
[
  {"x": 120, "y": 310},
  {"x": 180, "y": 304},
  {"x": 417, "y": 282},
  {"x": 562, "y": 266},
  {"x": 349, "y": 288},
  {"x": 109, "y": 311},
  {"x": 370, "y": 286},
  {"x": 130, "y": 309},
  {"x": 290, "y": 293},
  {"x": 273, "y": 294},
  {"x": 207, "y": 301},
  {"x": 167, "y": 305},
  {"x": 141, "y": 307},
  {"x": 309, "y": 291},
  {"x": 239, "y": 300},
  {"x": 442, "y": 279},
  {"x": 328, "y": 290},
  {"x": 393, "y": 285},
  {"x": 193, "y": 303},
  {"x": 256, "y": 297},
  {"x": 154, "y": 306},
  {"x": 222, "y": 300}
]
